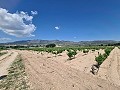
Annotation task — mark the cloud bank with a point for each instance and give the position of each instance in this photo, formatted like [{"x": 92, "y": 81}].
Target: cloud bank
[{"x": 18, "y": 24}]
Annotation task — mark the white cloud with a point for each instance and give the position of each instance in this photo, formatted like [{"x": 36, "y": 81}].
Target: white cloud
[
  {"x": 57, "y": 28},
  {"x": 75, "y": 37},
  {"x": 18, "y": 24},
  {"x": 34, "y": 12},
  {"x": 5, "y": 39}
]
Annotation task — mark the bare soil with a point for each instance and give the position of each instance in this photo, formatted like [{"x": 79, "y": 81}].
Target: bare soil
[
  {"x": 5, "y": 62},
  {"x": 110, "y": 69},
  {"x": 49, "y": 72}
]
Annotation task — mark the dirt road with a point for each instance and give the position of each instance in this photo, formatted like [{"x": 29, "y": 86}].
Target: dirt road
[
  {"x": 110, "y": 69},
  {"x": 48, "y": 74},
  {"x": 5, "y": 62}
]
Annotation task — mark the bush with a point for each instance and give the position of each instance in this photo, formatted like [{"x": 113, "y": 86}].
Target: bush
[
  {"x": 93, "y": 49},
  {"x": 74, "y": 53},
  {"x": 85, "y": 51},
  {"x": 108, "y": 50},
  {"x": 71, "y": 54},
  {"x": 54, "y": 52},
  {"x": 100, "y": 59},
  {"x": 59, "y": 51}
]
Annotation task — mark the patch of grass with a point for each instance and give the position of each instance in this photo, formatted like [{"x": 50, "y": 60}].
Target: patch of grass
[{"x": 16, "y": 78}]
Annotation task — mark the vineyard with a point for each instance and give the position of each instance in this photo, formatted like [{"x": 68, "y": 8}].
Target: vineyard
[
  {"x": 61, "y": 49},
  {"x": 64, "y": 68}
]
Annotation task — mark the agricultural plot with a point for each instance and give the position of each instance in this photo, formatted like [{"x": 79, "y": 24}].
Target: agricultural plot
[
  {"x": 72, "y": 68},
  {"x": 47, "y": 71}
]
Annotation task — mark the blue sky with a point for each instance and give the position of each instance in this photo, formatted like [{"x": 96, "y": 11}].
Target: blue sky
[{"x": 73, "y": 20}]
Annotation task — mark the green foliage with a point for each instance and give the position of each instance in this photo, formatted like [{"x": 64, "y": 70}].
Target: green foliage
[
  {"x": 71, "y": 54},
  {"x": 74, "y": 53},
  {"x": 50, "y": 45},
  {"x": 93, "y": 49},
  {"x": 85, "y": 51},
  {"x": 108, "y": 50},
  {"x": 16, "y": 78},
  {"x": 101, "y": 58},
  {"x": 2, "y": 48},
  {"x": 105, "y": 55},
  {"x": 58, "y": 50},
  {"x": 54, "y": 52}
]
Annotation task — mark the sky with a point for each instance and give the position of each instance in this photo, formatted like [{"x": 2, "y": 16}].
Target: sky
[{"x": 73, "y": 20}]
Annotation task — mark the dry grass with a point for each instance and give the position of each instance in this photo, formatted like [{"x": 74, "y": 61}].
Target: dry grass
[
  {"x": 16, "y": 78},
  {"x": 2, "y": 53}
]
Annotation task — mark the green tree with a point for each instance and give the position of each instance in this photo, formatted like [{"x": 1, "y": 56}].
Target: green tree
[{"x": 50, "y": 45}]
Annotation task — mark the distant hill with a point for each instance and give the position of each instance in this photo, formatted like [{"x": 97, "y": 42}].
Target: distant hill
[{"x": 60, "y": 42}]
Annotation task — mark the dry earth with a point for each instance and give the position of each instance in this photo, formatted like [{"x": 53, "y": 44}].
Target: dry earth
[
  {"x": 50, "y": 72},
  {"x": 5, "y": 62},
  {"x": 47, "y": 72},
  {"x": 110, "y": 69}
]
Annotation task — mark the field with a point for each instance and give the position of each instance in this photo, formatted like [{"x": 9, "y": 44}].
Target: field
[{"x": 61, "y": 68}]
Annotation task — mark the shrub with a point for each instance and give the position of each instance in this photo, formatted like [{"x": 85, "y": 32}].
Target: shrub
[
  {"x": 74, "y": 53},
  {"x": 85, "y": 51},
  {"x": 93, "y": 49},
  {"x": 59, "y": 51},
  {"x": 105, "y": 55},
  {"x": 100, "y": 59},
  {"x": 108, "y": 50},
  {"x": 71, "y": 54}
]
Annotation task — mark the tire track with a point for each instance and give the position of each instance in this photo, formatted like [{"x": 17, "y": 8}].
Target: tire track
[{"x": 6, "y": 62}]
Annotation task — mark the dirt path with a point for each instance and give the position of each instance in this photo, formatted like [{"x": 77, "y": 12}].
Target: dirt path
[
  {"x": 49, "y": 74},
  {"x": 5, "y": 55},
  {"x": 5, "y": 62},
  {"x": 110, "y": 69}
]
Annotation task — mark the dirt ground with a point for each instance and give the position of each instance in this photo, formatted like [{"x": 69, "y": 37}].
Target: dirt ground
[
  {"x": 110, "y": 69},
  {"x": 49, "y": 72},
  {"x": 6, "y": 60},
  {"x": 55, "y": 72}
]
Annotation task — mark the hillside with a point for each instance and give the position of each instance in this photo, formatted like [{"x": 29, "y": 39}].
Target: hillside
[{"x": 60, "y": 42}]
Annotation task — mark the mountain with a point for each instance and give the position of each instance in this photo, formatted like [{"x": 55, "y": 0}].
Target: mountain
[{"x": 60, "y": 42}]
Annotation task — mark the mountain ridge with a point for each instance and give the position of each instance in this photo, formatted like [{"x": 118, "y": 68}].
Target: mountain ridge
[{"x": 60, "y": 42}]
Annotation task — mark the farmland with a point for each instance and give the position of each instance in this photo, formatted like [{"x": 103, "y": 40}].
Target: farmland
[
  {"x": 59, "y": 45},
  {"x": 61, "y": 68}
]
